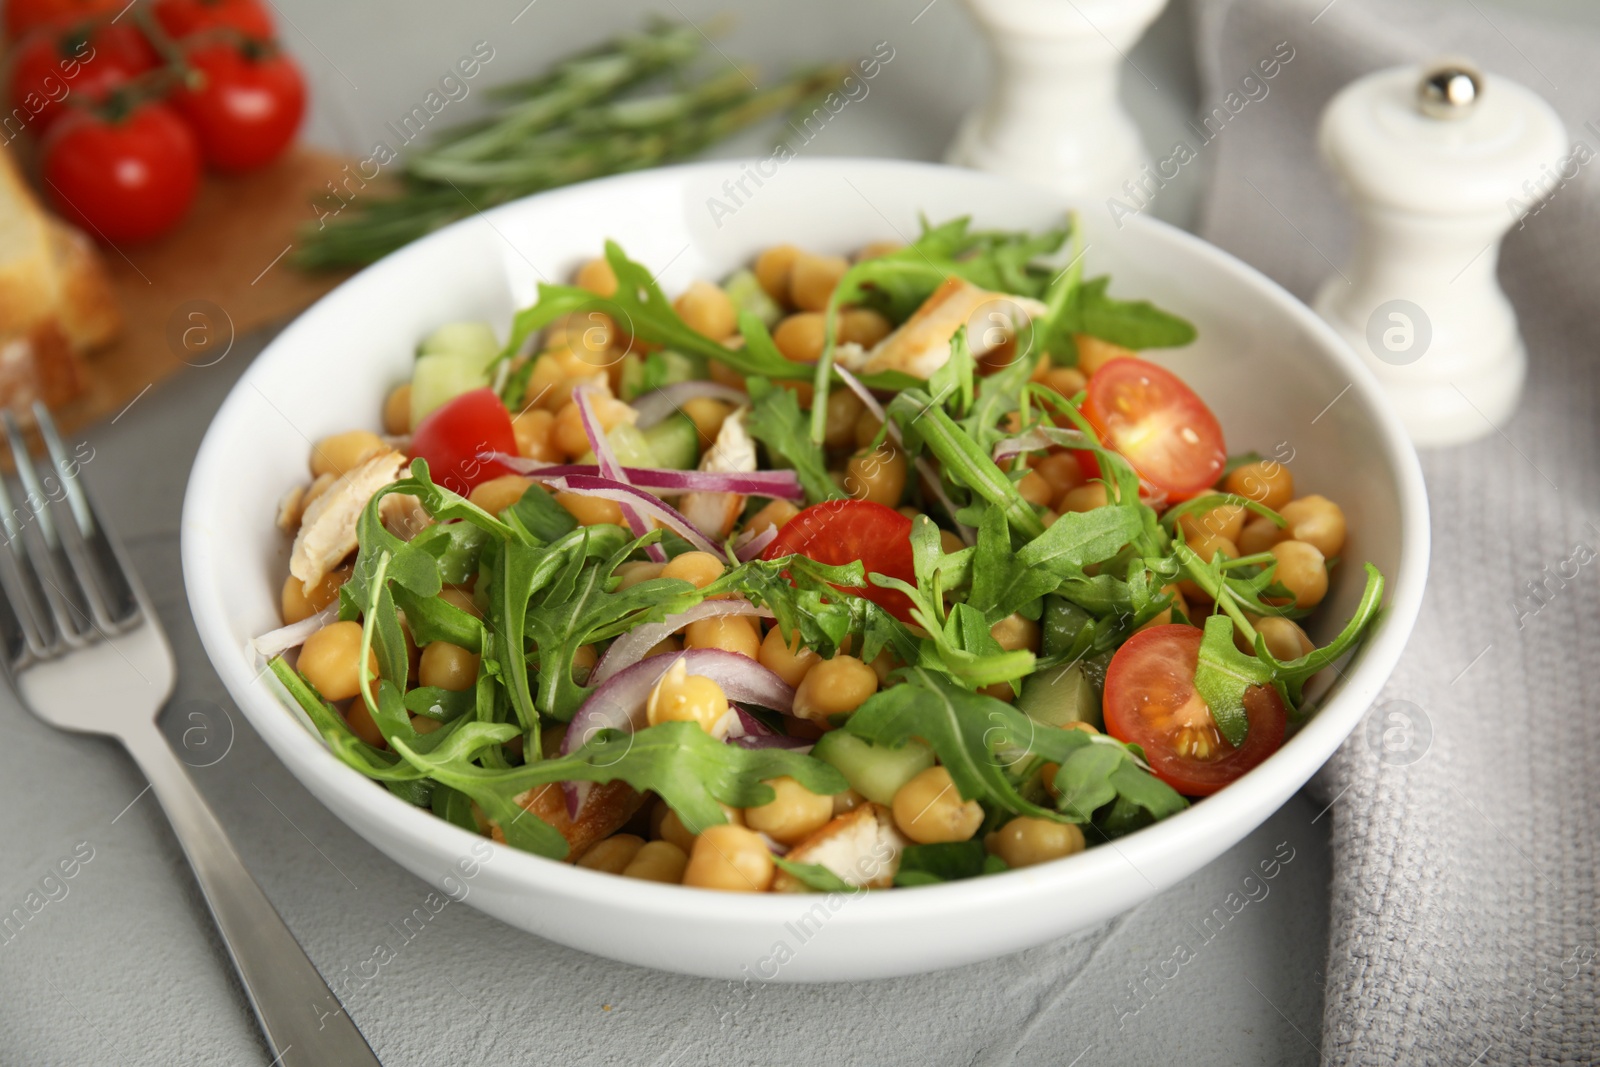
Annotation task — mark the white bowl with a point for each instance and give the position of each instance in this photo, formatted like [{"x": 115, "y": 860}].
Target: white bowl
[{"x": 1273, "y": 372}]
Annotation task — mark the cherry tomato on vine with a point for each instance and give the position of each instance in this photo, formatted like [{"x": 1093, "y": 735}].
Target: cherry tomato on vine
[
  {"x": 25, "y": 15},
  {"x": 184, "y": 18},
  {"x": 451, "y": 437},
  {"x": 836, "y": 532},
  {"x": 126, "y": 176},
  {"x": 57, "y": 68},
  {"x": 1150, "y": 701},
  {"x": 1157, "y": 422},
  {"x": 246, "y": 104}
]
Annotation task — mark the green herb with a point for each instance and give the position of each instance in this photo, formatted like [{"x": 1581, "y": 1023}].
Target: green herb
[
  {"x": 815, "y": 876},
  {"x": 946, "y": 862},
  {"x": 776, "y": 421}
]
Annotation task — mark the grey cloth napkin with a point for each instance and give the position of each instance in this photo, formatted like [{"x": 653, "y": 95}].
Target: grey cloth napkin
[{"x": 1463, "y": 917}]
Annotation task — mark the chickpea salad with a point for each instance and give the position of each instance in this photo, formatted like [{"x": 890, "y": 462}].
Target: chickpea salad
[{"x": 837, "y": 574}]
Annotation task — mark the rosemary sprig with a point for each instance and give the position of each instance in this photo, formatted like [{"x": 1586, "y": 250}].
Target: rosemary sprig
[{"x": 594, "y": 114}]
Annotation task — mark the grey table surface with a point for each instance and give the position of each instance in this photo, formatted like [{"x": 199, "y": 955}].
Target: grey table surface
[{"x": 119, "y": 964}]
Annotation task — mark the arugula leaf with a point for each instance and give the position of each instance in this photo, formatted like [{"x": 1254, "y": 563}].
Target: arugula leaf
[
  {"x": 455, "y": 546},
  {"x": 815, "y": 876},
  {"x": 964, "y": 460},
  {"x": 945, "y": 862},
  {"x": 678, "y": 761},
  {"x": 1135, "y": 324},
  {"x": 776, "y": 421}
]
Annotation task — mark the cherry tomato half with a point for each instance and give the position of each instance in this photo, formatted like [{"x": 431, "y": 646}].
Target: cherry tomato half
[
  {"x": 836, "y": 532},
  {"x": 23, "y": 16},
  {"x": 183, "y": 18},
  {"x": 452, "y": 436},
  {"x": 1166, "y": 432},
  {"x": 247, "y": 104},
  {"x": 1150, "y": 701},
  {"x": 57, "y": 68},
  {"x": 124, "y": 178}
]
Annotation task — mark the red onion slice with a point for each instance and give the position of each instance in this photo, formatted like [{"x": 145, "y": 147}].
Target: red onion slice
[
  {"x": 610, "y": 468},
  {"x": 749, "y": 545},
  {"x": 657, "y": 405},
  {"x": 275, "y": 642},
  {"x": 664, "y": 481},
  {"x": 668, "y": 516},
  {"x": 1040, "y": 437},
  {"x": 630, "y": 648},
  {"x": 619, "y": 702}
]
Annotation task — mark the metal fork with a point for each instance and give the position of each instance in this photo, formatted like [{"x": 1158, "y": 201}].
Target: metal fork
[{"x": 86, "y": 652}]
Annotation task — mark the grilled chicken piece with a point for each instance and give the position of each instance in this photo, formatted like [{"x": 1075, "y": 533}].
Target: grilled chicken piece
[
  {"x": 328, "y": 527},
  {"x": 921, "y": 345},
  {"x": 604, "y": 812},
  {"x": 862, "y": 847},
  {"x": 732, "y": 453}
]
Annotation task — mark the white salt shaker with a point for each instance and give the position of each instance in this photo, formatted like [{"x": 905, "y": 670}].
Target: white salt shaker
[
  {"x": 1052, "y": 116},
  {"x": 1438, "y": 163}
]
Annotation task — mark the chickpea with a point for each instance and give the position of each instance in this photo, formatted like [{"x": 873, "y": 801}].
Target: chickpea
[
  {"x": 658, "y": 861},
  {"x": 609, "y": 412},
  {"x": 1284, "y": 638},
  {"x": 1035, "y": 490},
  {"x": 1084, "y": 498},
  {"x": 535, "y": 433},
  {"x": 775, "y": 513},
  {"x": 447, "y": 666},
  {"x": 297, "y": 604},
  {"x": 614, "y": 854},
  {"x": 591, "y": 510},
  {"x": 671, "y": 829},
  {"x": 1303, "y": 571},
  {"x": 929, "y": 810},
  {"x": 1027, "y": 840},
  {"x": 949, "y": 542},
  {"x": 360, "y": 721},
  {"x": 878, "y": 476},
  {"x": 1266, "y": 482},
  {"x": 1062, "y": 473},
  {"x": 497, "y": 494},
  {"x": 708, "y": 415},
  {"x": 331, "y": 660},
  {"x": 545, "y": 383},
  {"x": 1225, "y": 520},
  {"x": 1000, "y": 691},
  {"x": 460, "y": 598},
  {"x": 707, "y": 310},
  {"x": 867, "y": 427},
  {"x": 846, "y": 802},
  {"x": 344, "y": 452},
  {"x": 773, "y": 268},
  {"x": 597, "y": 277},
  {"x": 584, "y": 658},
  {"x": 789, "y": 660},
  {"x": 844, "y": 411},
  {"x": 730, "y": 633},
  {"x": 631, "y": 574},
  {"x": 1260, "y": 534},
  {"x": 862, "y": 326},
  {"x": 833, "y": 687},
  {"x": 1094, "y": 353},
  {"x": 877, "y": 249},
  {"x": 1317, "y": 521},
  {"x": 802, "y": 391},
  {"x": 730, "y": 858},
  {"x": 586, "y": 346},
  {"x": 424, "y": 725},
  {"x": 723, "y": 374},
  {"x": 1068, "y": 381},
  {"x": 683, "y": 697},
  {"x": 800, "y": 337},
  {"x": 1165, "y": 617},
  {"x": 1206, "y": 545},
  {"x": 792, "y": 814},
  {"x": 813, "y": 278},
  {"x": 699, "y": 569},
  {"x": 1016, "y": 632},
  {"x": 397, "y": 410}
]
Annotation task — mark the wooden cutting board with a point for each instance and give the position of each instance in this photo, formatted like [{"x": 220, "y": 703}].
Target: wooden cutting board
[{"x": 223, "y": 273}]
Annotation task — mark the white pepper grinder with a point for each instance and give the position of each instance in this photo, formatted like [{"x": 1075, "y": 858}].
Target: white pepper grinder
[
  {"x": 1438, "y": 162},
  {"x": 1052, "y": 116}
]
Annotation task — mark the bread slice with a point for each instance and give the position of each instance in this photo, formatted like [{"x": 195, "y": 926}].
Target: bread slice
[{"x": 56, "y": 301}]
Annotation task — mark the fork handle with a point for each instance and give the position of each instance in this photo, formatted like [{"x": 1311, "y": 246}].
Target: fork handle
[{"x": 303, "y": 1021}]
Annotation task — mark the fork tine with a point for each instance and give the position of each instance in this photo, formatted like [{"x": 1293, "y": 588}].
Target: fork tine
[
  {"x": 100, "y": 570},
  {"x": 24, "y": 598},
  {"x": 43, "y": 547}
]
